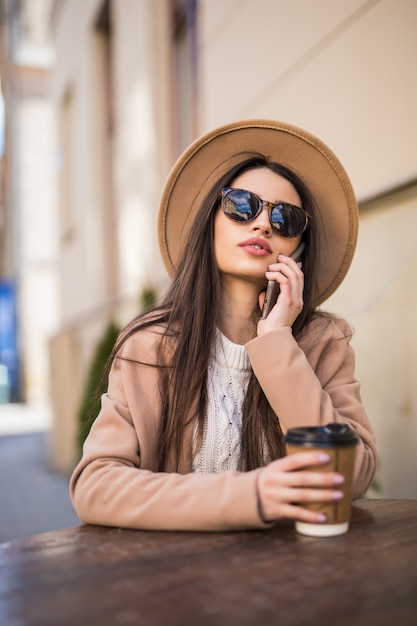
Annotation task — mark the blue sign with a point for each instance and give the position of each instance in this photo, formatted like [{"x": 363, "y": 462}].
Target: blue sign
[{"x": 9, "y": 356}]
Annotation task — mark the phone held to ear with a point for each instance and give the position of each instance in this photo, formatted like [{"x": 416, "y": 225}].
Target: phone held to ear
[{"x": 272, "y": 290}]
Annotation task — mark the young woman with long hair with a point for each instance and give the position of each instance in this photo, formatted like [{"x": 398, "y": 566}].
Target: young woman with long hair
[{"x": 202, "y": 389}]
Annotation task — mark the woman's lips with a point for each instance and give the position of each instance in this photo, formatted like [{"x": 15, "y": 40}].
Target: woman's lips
[{"x": 256, "y": 246}]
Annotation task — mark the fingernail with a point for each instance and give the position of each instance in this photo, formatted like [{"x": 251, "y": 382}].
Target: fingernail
[
  {"x": 337, "y": 495},
  {"x": 338, "y": 480},
  {"x": 322, "y": 517},
  {"x": 324, "y": 458}
]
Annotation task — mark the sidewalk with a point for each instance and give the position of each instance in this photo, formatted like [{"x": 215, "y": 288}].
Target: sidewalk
[
  {"x": 33, "y": 498},
  {"x": 16, "y": 419}
]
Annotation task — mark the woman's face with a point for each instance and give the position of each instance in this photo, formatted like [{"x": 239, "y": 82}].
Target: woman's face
[{"x": 245, "y": 250}]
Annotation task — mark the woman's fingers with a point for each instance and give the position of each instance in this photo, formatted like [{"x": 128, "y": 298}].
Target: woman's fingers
[
  {"x": 290, "y": 301},
  {"x": 305, "y": 495},
  {"x": 286, "y": 272},
  {"x": 285, "y": 485},
  {"x": 301, "y": 460},
  {"x": 294, "y": 512}
]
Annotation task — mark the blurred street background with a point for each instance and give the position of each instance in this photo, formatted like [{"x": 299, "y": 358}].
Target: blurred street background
[{"x": 33, "y": 498}]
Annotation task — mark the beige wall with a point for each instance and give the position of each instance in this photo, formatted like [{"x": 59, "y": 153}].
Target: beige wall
[
  {"x": 379, "y": 299},
  {"x": 81, "y": 243},
  {"x": 340, "y": 69},
  {"x": 138, "y": 157},
  {"x": 36, "y": 223},
  {"x": 139, "y": 164},
  {"x": 141, "y": 155}
]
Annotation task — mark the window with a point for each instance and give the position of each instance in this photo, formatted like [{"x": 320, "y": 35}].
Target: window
[
  {"x": 185, "y": 72},
  {"x": 67, "y": 218},
  {"x": 104, "y": 115}
]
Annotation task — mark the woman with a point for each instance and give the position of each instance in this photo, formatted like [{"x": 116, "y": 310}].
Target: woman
[{"x": 201, "y": 390}]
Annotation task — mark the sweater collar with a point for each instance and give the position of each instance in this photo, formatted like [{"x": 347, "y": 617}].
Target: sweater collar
[{"x": 231, "y": 355}]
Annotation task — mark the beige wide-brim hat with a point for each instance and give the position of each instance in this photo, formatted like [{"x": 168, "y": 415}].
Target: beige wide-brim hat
[{"x": 213, "y": 154}]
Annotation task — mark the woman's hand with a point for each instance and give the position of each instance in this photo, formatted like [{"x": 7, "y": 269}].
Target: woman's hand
[
  {"x": 290, "y": 300},
  {"x": 285, "y": 484}
]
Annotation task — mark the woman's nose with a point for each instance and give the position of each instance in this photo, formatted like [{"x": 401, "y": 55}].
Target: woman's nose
[{"x": 262, "y": 223}]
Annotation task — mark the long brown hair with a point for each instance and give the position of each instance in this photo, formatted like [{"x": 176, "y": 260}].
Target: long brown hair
[{"x": 189, "y": 315}]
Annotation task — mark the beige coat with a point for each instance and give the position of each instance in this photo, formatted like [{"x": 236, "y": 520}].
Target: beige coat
[{"x": 117, "y": 483}]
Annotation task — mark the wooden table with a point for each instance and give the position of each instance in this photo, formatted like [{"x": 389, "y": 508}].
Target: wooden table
[{"x": 89, "y": 575}]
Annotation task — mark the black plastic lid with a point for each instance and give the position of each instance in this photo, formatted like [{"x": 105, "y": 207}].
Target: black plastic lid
[{"x": 322, "y": 436}]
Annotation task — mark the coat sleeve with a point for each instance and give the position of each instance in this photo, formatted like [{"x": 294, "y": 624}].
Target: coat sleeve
[
  {"x": 315, "y": 386},
  {"x": 116, "y": 483}
]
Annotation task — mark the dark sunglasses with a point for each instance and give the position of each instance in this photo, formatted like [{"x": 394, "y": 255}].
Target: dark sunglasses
[{"x": 286, "y": 219}]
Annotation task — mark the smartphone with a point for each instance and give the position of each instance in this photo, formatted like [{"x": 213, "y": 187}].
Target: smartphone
[{"x": 272, "y": 290}]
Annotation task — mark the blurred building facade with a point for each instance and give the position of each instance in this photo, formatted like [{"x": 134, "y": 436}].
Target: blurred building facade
[
  {"x": 28, "y": 241},
  {"x": 135, "y": 81}
]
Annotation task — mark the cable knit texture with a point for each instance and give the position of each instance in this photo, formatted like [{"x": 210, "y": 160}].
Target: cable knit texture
[{"x": 228, "y": 377}]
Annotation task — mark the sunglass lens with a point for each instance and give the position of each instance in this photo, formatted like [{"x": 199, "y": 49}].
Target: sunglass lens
[
  {"x": 288, "y": 220},
  {"x": 240, "y": 205}
]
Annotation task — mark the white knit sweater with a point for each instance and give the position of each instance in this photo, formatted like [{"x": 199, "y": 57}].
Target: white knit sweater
[{"x": 228, "y": 376}]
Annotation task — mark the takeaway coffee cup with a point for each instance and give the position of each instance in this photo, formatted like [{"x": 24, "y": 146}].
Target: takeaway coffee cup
[{"x": 339, "y": 442}]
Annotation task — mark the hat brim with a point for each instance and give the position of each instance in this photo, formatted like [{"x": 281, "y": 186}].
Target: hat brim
[{"x": 213, "y": 154}]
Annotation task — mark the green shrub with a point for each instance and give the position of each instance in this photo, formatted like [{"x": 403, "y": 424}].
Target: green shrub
[
  {"x": 90, "y": 401},
  {"x": 95, "y": 384},
  {"x": 148, "y": 298}
]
